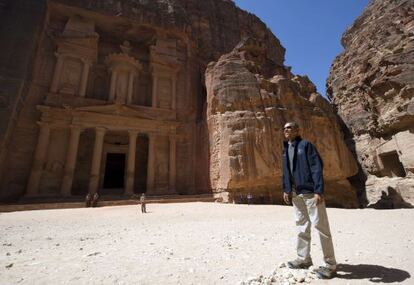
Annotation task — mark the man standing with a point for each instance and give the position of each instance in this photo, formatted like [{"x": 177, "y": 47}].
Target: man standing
[
  {"x": 143, "y": 204},
  {"x": 303, "y": 186}
]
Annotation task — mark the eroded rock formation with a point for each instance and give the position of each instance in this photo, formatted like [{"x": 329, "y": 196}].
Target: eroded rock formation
[
  {"x": 249, "y": 99},
  {"x": 372, "y": 86}
]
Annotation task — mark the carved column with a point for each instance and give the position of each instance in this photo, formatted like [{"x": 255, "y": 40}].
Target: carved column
[
  {"x": 130, "y": 175},
  {"x": 154, "y": 90},
  {"x": 84, "y": 80},
  {"x": 96, "y": 160},
  {"x": 39, "y": 160},
  {"x": 70, "y": 164},
  {"x": 130, "y": 87},
  {"x": 58, "y": 72},
  {"x": 151, "y": 164},
  {"x": 172, "y": 166},
  {"x": 113, "y": 86}
]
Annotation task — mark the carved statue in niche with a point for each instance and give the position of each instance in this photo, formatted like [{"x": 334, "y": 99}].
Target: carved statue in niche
[
  {"x": 126, "y": 47},
  {"x": 71, "y": 76},
  {"x": 165, "y": 92},
  {"x": 124, "y": 69},
  {"x": 54, "y": 166},
  {"x": 121, "y": 90}
]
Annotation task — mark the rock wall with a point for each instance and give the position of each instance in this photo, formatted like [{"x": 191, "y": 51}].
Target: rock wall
[
  {"x": 234, "y": 117},
  {"x": 249, "y": 99},
  {"x": 203, "y": 30},
  {"x": 372, "y": 86},
  {"x": 21, "y": 23},
  {"x": 215, "y": 26}
]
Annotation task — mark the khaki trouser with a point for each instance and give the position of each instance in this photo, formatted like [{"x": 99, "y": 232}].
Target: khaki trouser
[{"x": 307, "y": 214}]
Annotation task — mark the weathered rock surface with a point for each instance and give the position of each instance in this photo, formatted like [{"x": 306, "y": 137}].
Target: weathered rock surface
[
  {"x": 184, "y": 33},
  {"x": 389, "y": 193},
  {"x": 249, "y": 99},
  {"x": 372, "y": 86},
  {"x": 215, "y": 26}
]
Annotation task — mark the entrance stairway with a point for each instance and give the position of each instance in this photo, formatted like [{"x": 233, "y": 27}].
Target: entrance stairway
[{"x": 45, "y": 203}]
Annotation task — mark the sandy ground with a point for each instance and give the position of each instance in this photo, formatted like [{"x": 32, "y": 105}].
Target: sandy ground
[{"x": 195, "y": 243}]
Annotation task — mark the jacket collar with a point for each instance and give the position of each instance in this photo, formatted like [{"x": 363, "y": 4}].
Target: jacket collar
[{"x": 295, "y": 142}]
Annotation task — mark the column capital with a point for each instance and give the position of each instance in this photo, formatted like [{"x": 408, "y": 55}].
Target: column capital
[
  {"x": 100, "y": 130},
  {"x": 60, "y": 55},
  {"x": 43, "y": 124},
  {"x": 133, "y": 133},
  {"x": 76, "y": 128},
  {"x": 86, "y": 61}
]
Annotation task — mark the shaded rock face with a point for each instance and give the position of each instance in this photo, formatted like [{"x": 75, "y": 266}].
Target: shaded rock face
[
  {"x": 173, "y": 40},
  {"x": 372, "y": 86},
  {"x": 249, "y": 100},
  {"x": 215, "y": 26}
]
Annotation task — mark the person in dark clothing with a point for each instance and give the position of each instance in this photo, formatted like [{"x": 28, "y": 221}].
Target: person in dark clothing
[
  {"x": 91, "y": 200},
  {"x": 143, "y": 203},
  {"x": 303, "y": 186}
]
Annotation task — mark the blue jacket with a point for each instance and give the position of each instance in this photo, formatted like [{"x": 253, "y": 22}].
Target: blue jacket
[{"x": 307, "y": 168}]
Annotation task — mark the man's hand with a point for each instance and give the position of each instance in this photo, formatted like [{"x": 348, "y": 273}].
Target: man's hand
[
  {"x": 318, "y": 199},
  {"x": 286, "y": 198}
]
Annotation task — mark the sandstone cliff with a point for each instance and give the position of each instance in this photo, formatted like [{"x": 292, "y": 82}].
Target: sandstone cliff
[
  {"x": 372, "y": 86},
  {"x": 228, "y": 124},
  {"x": 249, "y": 100},
  {"x": 215, "y": 26}
]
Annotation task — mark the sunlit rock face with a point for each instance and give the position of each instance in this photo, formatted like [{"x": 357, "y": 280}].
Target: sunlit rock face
[
  {"x": 249, "y": 99},
  {"x": 372, "y": 86}
]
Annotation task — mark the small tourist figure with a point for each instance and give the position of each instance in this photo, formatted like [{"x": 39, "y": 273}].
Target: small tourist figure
[
  {"x": 91, "y": 199},
  {"x": 249, "y": 198},
  {"x": 143, "y": 204},
  {"x": 88, "y": 200},
  {"x": 95, "y": 199}
]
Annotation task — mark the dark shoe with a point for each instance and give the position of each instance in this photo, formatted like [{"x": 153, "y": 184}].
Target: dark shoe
[
  {"x": 299, "y": 264},
  {"x": 325, "y": 272}
]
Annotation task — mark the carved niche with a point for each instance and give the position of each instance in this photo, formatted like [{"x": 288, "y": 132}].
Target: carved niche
[
  {"x": 164, "y": 67},
  {"x": 77, "y": 50},
  {"x": 124, "y": 68}
]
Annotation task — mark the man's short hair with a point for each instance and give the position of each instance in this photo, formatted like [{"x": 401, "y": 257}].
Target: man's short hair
[{"x": 293, "y": 124}]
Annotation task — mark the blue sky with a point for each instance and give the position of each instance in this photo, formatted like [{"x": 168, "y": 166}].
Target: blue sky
[{"x": 310, "y": 31}]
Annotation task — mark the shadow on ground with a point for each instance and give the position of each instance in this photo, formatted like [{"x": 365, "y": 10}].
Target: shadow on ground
[{"x": 374, "y": 273}]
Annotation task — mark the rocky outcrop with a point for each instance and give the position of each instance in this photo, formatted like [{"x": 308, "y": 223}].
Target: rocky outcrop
[
  {"x": 215, "y": 26},
  {"x": 249, "y": 99},
  {"x": 372, "y": 86}
]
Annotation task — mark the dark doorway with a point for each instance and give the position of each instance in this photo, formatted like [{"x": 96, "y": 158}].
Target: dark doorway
[
  {"x": 392, "y": 165},
  {"x": 114, "y": 171}
]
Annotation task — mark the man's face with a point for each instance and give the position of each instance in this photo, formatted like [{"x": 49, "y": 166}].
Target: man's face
[{"x": 290, "y": 131}]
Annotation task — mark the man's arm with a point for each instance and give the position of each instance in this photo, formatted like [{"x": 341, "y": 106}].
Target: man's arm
[
  {"x": 316, "y": 168},
  {"x": 286, "y": 191}
]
